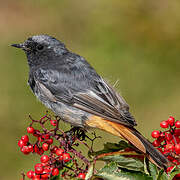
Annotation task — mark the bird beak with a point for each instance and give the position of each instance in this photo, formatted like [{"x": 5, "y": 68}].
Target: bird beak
[{"x": 18, "y": 46}]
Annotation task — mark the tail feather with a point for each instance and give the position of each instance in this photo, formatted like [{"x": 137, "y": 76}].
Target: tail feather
[
  {"x": 153, "y": 154},
  {"x": 134, "y": 137},
  {"x": 142, "y": 144}
]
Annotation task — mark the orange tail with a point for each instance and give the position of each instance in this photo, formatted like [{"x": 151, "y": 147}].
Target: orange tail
[{"x": 133, "y": 136}]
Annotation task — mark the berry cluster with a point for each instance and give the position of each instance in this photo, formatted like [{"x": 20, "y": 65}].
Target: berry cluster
[
  {"x": 59, "y": 159},
  {"x": 168, "y": 141},
  {"x": 27, "y": 147}
]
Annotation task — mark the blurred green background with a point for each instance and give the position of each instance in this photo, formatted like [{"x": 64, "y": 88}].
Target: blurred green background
[{"x": 135, "y": 42}]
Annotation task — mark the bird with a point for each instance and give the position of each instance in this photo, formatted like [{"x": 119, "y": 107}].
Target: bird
[{"x": 68, "y": 85}]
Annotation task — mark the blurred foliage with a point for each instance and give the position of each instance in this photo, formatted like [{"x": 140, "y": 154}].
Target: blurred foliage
[{"x": 135, "y": 42}]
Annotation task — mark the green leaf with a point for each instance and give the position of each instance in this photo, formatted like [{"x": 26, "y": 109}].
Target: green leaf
[
  {"x": 112, "y": 172},
  {"x": 125, "y": 162},
  {"x": 146, "y": 166},
  {"x": 162, "y": 175},
  {"x": 116, "y": 146},
  {"x": 111, "y": 147},
  {"x": 153, "y": 170},
  {"x": 90, "y": 172},
  {"x": 150, "y": 169}
]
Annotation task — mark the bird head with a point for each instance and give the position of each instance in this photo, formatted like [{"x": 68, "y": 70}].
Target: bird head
[{"x": 41, "y": 48}]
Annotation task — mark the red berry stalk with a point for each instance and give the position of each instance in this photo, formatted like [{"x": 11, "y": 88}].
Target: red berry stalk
[{"x": 167, "y": 141}]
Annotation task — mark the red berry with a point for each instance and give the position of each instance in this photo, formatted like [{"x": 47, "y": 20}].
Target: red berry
[
  {"x": 55, "y": 171},
  {"x": 37, "y": 165},
  {"x": 25, "y": 138},
  {"x": 59, "y": 152},
  {"x": 169, "y": 168},
  {"x": 171, "y": 120},
  {"x": 36, "y": 148},
  {"x": 168, "y": 136},
  {"x": 60, "y": 158},
  {"x": 175, "y": 161},
  {"x": 36, "y": 177},
  {"x": 25, "y": 150},
  {"x": 54, "y": 148},
  {"x": 176, "y": 177},
  {"x": 40, "y": 139},
  {"x": 48, "y": 168},
  {"x": 81, "y": 176},
  {"x": 45, "y": 136},
  {"x": 30, "y": 174},
  {"x": 166, "y": 153},
  {"x": 41, "y": 151},
  {"x": 160, "y": 149},
  {"x": 177, "y": 148},
  {"x": 161, "y": 137},
  {"x": 155, "y": 134},
  {"x": 30, "y": 130},
  {"x": 36, "y": 133},
  {"x": 176, "y": 140},
  {"x": 164, "y": 124},
  {"x": 170, "y": 147},
  {"x": 49, "y": 141},
  {"x": 45, "y": 146},
  {"x": 167, "y": 142},
  {"x": 38, "y": 168},
  {"x": 45, "y": 174},
  {"x": 177, "y": 132},
  {"x": 30, "y": 148},
  {"x": 156, "y": 143},
  {"x": 177, "y": 124},
  {"x": 44, "y": 158},
  {"x": 66, "y": 157},
  {"x": 170, "y": 158},
  {"x": 45, "y": 164},
  {"x": 53, "y": 122},
  {"x": 21, "y": 143}
]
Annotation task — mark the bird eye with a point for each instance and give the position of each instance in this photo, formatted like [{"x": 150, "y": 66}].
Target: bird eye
[{"x": 40, "y": 47}]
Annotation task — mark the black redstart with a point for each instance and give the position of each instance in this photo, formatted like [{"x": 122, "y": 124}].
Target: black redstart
[{"x": 67, "y": 84}]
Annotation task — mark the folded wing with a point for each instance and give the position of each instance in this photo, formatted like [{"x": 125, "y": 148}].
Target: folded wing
[{"x": 92, "y": 95}]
